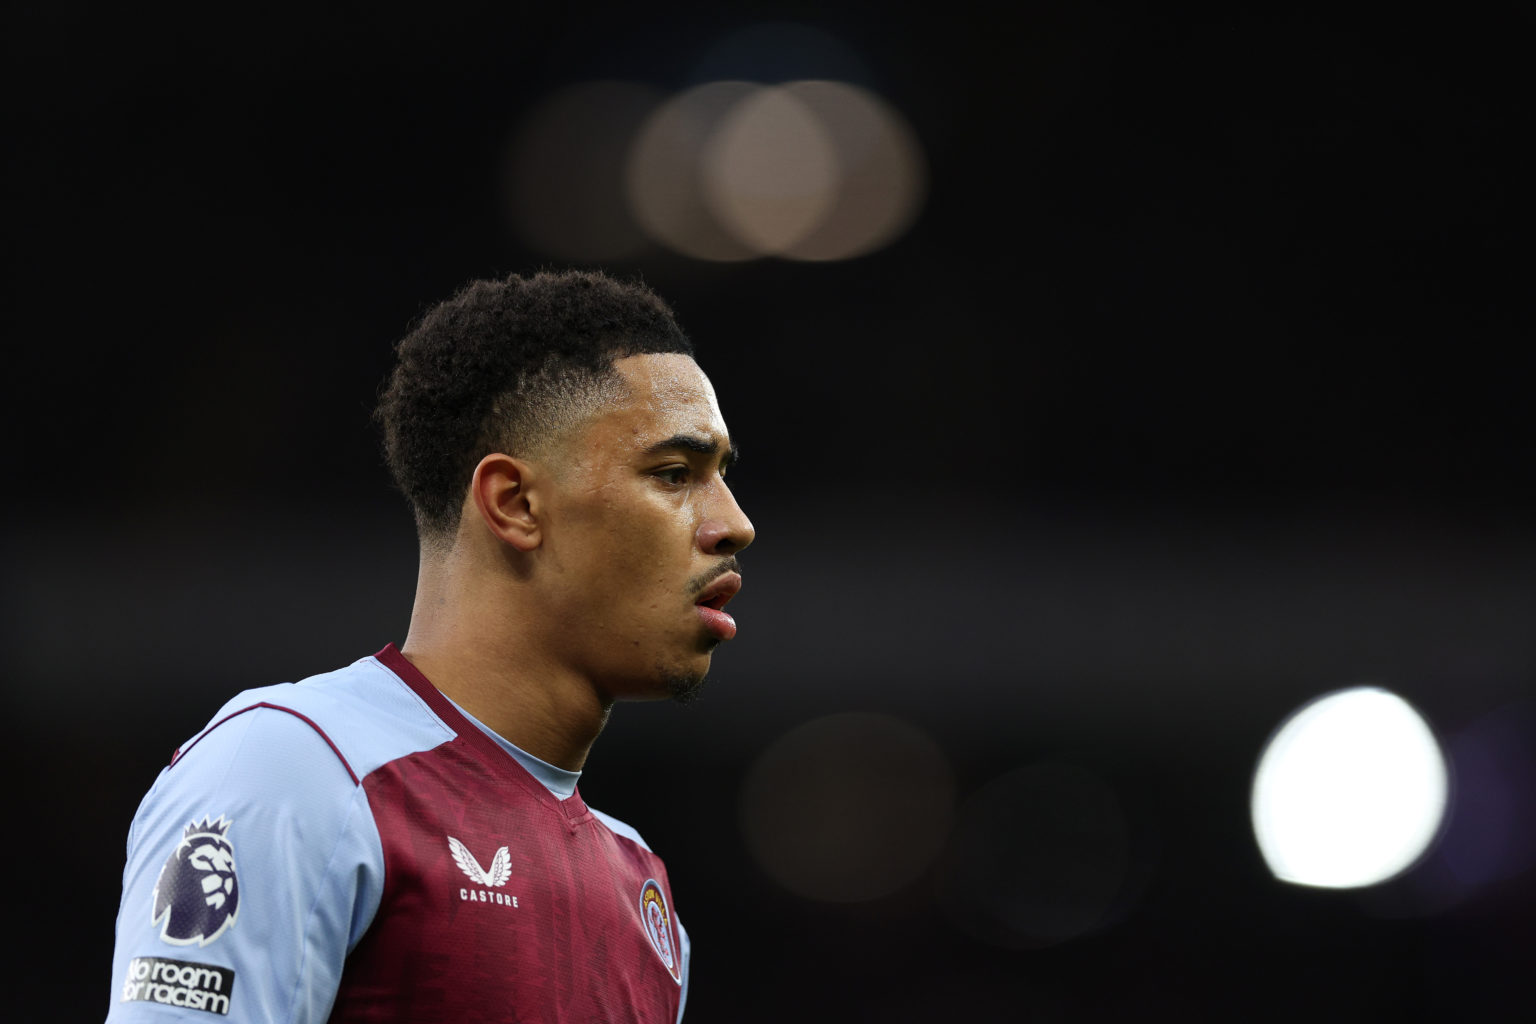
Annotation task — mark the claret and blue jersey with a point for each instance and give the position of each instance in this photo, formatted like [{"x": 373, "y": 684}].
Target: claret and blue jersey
[{"x": 354, "y": 847}]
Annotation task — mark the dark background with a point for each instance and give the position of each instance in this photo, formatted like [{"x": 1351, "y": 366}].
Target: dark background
[{"x": 1200, "y": 386}]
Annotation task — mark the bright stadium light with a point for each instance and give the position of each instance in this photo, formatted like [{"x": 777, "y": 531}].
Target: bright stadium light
[{"x": 1350, "y": 791}]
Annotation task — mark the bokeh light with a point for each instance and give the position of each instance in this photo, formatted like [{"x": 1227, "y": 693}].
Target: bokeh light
[
  {"x": 882, "y": 174},
  {"x": 1039, "y": 856},
  {"x": 808, "y": 170},
  {"x": 849, "y": 807},
  {"x": 1350, "y": 791},
  {"x": 564, "y": 174},
  {"x": 664, "y": 172},
  {"x": 770, "y": 171}
]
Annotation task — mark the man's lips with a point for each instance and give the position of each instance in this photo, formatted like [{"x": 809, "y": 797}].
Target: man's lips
[
  {"x": 724, "y": 587},
  {"x": 711, "y": 602}
]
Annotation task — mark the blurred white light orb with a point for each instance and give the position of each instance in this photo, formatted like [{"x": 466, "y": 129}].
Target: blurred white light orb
[
  {"x": 664, "y": 172},
  {"x": 848, "y": 808},
  {"x": 770, "y": 171},
  {"x": 808, "y": 170},
  {"x": 882, "y": 173},
  {"x": 1350, "y": 791}
]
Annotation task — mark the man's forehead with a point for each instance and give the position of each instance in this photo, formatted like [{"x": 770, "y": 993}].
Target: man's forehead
[
  {"x": 667, "y": 394},
  {"x": 666, "y": 376}
]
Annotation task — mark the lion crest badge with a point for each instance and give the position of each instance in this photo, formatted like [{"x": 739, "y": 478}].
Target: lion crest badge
[{"x": 197, "y": 894}]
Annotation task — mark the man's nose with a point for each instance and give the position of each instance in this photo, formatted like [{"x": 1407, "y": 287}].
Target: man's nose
[{"x": 727, "y": 531}]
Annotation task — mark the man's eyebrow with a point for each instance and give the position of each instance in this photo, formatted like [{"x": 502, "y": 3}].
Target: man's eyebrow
[{"x": 695, "y": 443}]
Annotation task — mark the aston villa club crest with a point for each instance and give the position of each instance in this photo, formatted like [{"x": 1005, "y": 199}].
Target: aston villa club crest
[
  {"x": 657, "y": 917},
  {"x": 197, "y": 894}
]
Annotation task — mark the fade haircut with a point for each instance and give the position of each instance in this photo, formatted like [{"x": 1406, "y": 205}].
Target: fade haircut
[{"x": 505, "y": 366}]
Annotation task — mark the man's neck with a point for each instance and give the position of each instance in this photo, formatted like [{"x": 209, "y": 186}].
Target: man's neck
[{"x": 474, "y": 649}]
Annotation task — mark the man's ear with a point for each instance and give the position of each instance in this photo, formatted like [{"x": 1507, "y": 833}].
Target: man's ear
[{"x": 500, "y": 490}]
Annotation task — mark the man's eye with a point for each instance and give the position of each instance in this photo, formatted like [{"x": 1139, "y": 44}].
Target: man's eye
[{"x": 674, "y": 474}]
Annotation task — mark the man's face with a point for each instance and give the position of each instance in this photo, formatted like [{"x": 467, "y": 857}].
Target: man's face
[{"x": 640, "y": 534}]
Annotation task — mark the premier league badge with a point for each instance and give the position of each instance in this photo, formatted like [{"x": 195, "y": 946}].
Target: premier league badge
[
  {"x": 197, "y": 894},
  {"x": 659, "y": 928}
]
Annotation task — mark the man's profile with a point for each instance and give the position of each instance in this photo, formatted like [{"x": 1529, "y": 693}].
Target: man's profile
[{"x": 402, "y": 839}]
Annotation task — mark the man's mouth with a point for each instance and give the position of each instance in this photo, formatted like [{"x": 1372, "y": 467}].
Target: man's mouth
[
  {"x": 720, "y": 590},
  {"x": 711, "y": 603}
]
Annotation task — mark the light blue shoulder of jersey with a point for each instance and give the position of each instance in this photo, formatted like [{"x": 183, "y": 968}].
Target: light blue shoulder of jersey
[
  {"x": 686, "y": 944},
  {"x": 618, "y": 827},
  {"x": 254, "y": 864}
]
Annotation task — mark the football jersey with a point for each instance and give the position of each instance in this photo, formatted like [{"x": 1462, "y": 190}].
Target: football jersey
[{"x": 355, "y": 847}]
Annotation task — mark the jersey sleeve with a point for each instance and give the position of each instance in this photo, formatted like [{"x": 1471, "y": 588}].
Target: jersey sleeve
[
  {"x": 687, "y": 948},
  {"x": 254, "y": 866}
]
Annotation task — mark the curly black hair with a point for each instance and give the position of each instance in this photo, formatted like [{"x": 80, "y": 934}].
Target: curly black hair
[{"x": 503, "y": 366}]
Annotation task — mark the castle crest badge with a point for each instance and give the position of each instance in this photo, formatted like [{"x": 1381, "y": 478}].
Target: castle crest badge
[{"x": 660, "y": 929}]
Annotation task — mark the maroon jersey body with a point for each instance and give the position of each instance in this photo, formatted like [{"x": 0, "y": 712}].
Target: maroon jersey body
[{"x": 502, "y": 902}]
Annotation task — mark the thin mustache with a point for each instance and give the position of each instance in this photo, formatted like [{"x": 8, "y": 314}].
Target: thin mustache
[{"x": 703, "y": 580}]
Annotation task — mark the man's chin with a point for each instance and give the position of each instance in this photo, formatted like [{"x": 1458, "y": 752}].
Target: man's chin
[{"x": 684, "y": 688}]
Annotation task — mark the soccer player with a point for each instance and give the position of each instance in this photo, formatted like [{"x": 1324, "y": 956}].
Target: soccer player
[{"x": 402, "y": 839}]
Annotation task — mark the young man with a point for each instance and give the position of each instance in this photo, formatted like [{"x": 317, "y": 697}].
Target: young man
[{"x": 402, "y": 839}]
